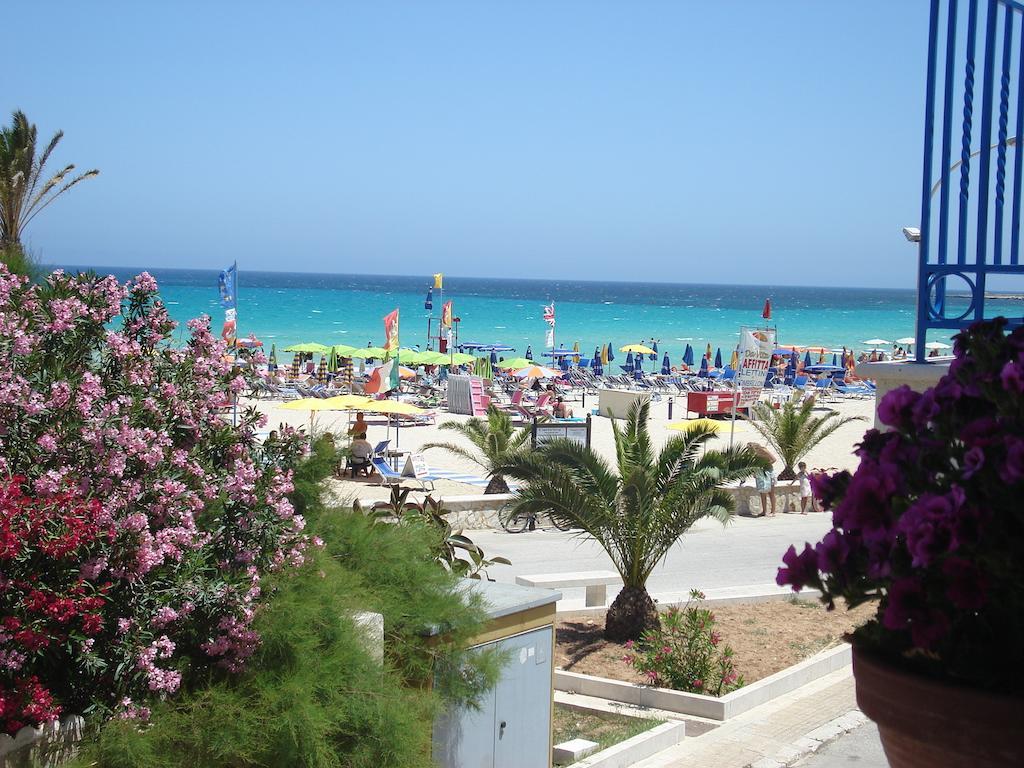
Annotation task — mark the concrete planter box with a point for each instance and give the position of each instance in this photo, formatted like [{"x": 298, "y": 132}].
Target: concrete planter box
[{"x": 711, "y": 707}]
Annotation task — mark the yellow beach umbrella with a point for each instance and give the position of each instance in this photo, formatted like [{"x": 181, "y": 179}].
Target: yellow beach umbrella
[
  {"x": 391, "y": 406},
  {"x": 643, "y": 350},
  {"x": 714, "y": 424},
  {"x": 734, "y": 363},
  {"x": 344, "y": 403},
  {"x": 576, "y": 349}
]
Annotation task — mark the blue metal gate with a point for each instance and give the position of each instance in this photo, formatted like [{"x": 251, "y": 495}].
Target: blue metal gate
[{"x": 974, "y": 231}]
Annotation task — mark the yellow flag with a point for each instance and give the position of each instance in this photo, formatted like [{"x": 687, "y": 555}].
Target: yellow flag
[{"x": 438, "y": 280}]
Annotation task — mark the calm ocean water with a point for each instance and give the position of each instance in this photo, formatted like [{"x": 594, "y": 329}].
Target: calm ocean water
[{"x": 284, "y": 308}]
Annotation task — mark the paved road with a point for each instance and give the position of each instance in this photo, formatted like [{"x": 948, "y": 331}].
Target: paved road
[
  {"x": 745, "y": 553},
  {"x": 860, "y": 747}
]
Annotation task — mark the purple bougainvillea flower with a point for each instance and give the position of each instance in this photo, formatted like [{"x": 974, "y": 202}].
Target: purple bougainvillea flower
[
  {"x": 907, "y": 609},
  {"x": 1012, "y": 471},
  {"x": 828, "y": 488},
  {"x": 1012, "y": 377},
  {"x": 800, "y": 569},
  {"x": 974, "y": 460},
  {"x": 966, "y": 585},
  {"x": 896, "y": 408}
]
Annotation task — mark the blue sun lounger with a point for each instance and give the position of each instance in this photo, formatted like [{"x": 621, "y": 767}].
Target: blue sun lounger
[{"x": 389, "y": 476}]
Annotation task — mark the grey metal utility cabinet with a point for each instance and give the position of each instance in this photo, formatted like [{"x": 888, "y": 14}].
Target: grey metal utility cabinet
[{"x": 512, "y": 729}]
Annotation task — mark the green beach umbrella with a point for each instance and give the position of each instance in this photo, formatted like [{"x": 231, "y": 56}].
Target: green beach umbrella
[
  {"x": 332, "y": 362},
  {"x": 343, "y": 350},
  {"x": 461, "y": 358},
  {"x": 370, "y": 353},
  {"x": 307, "y": 347},
  {"x": 434, "y": 358},
  {"x": 516, "y": 363},
  {"x": 482, "y": 368}
]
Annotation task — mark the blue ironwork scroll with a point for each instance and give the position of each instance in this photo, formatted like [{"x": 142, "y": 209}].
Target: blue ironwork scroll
[{"x": 975, "y": 104}]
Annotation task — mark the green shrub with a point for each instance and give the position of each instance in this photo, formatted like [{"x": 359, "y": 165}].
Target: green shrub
[{"x": 312, "y": 696}]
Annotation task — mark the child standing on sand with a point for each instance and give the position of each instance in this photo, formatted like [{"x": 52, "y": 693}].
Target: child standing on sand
[{"x": 805, "y": 489}]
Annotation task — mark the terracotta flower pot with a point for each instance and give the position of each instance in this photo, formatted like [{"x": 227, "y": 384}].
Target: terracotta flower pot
[{"x": 925, "y": 722}]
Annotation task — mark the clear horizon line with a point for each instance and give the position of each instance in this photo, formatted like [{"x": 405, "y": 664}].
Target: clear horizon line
[{"x": 427, "y": 277}]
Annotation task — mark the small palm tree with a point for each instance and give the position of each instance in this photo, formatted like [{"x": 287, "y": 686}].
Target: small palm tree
[
  {"x": 793, "y": 430},
  {"x": 23, "y": 192},
  {"x": 636, "y": 511},
  {"x": 496, "y": 440}
]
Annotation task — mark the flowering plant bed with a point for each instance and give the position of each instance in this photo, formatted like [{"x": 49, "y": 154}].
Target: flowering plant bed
[
  {"x": 766, "y": 637},
  {"x": 931, "y": 525}
]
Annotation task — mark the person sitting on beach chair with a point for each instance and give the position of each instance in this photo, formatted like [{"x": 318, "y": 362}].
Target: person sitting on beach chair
[{"x": 362, "y": 455}]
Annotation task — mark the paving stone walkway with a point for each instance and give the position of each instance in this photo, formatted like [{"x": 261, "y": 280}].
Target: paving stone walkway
[{"x": 775, "y": 734}]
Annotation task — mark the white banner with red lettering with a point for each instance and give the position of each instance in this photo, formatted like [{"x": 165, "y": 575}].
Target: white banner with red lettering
[{"x": 756, "y": 347}]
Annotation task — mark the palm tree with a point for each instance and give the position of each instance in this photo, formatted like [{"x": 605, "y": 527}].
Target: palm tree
[
  {"x": 496, "y": 440},
  {"x": 23, "y": 193},
  {"x": 636, "y": 511},
  {"x": 793, "y": 430}
]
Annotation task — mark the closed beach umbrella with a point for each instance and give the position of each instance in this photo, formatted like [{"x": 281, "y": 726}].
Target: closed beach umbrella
[
  {"x": 718, "y": 358},
  {"x": 835, "y": 359},
  {"x": 611, "y": 353},
  {"x": 529, "y": 351},
  {"x": 295, "y": 366},
  {"x": 604, "y": 354},
  {"x": 666, "y": 365},
  {"x": 482, "y": 368},
  {"x": 321, "y": 370},
  {"x": 595, "y": 363},
  {"x": 703, "y": 366},
  {"x": 734, "y": 363},
  {"x": 807, "y": 359},
  {"x": 494, "y": 358},
  {"x": 688, "y": 355},
  {"x": 272, "y": 360},
  {"x": 638, "y": 363},
  {"x": 707, "y": 352},
  {"x": 629, "y": 362},
  {"x": 654, "y": 354},
  {"x": 332, "y": 362},
  {"x": 576, "y": 349}
]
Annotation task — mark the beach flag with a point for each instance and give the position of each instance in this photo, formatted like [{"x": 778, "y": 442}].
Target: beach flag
[
  {"x": 446, "y": 315},
  {"x": 228, "y": 332},
  {"x": 383, "y": 379},
  {"x": 391, "y": 331},
  {"x": 439, "y": 280},
  {"x": 228, "y": 285},
  {"x": 766, "y": 313},
  {"x": 549, "y": 314},
  {"x": 549, "y": 340},
  {"x": 428, "y": 303}
]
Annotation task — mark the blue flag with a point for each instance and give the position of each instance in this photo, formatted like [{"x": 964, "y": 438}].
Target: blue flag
[
  {"x": 428, "y": 303},
  {"x": 229, "y": 287}
]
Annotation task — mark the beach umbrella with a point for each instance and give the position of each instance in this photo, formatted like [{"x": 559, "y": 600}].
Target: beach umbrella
[
  {"x": 835, "y": 359},
  {"x": 638, "y": 362},
  {"x": 766, "y": 313},
  {"x": 332, "y": 362},
  {"x": 707, "y": 352},
  {"x": 703, "y": 366},
  {"x": 391, "y": 407},
  {"x": 494, "y": 358},
  {"x": 654, "y": 354},
  {"x": 807, "y": 359},
  {"x": 596, "y": 367},
  {"x": 629, "y": 366},
  {"x": 307, "y": 347},
  {"x": 515, "y": 363},
  {"x": 604, "y": 354},
  {"x": 295, "y": 366},
  {"x": 792, "y": 363},
  {"x": 343, "y": 350},
  {"x": 529, "y": 350},
  {"x": 611, "y": 354},
  {"x": 666, "y": 365},
  {"x": 272, "y": 360},
  {"x": 641, "y": 348},
  {"x": 461, "y": 358},
  {"x": 482, "y": 368},
  {"x": 536, "y": 372},
  {"x": 936, "y": 345},
  {"x": 718, "y": 358},
  {"x": 406, "y": 373},
  {"x": 688, "y": 355},
  {"x": 576, "y": 349},
  {"x": 321, "y": 370},
  {"x": 734, "y": 363},
  {"x": 876, "y": 343},
  {"x": 369, "y": 353}
]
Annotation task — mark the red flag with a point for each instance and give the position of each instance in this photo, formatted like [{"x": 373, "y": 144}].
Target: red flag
[
  {"x": 766, "y": 313},
  {"x": 391, "y": 331}
]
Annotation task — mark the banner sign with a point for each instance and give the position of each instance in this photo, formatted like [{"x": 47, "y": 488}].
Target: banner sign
[
  {"x": 229, "y": 332},
  {"x": 756, "y": 347},
  {"x": 446, "y": 315},
  {"x": 228, "y": 287},
  {"x": 576, "y": 431},
  {"x": 391, "y": 331},
  {"x": 416, "y": 466}
]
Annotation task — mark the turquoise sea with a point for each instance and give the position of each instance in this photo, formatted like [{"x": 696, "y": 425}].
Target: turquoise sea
[{"x": 284, "y": 308}]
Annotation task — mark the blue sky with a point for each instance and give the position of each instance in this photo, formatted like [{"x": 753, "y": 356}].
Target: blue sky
[{"x": 746, "y": 142}]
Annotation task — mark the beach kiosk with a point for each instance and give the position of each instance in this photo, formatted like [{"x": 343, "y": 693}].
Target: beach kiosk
[{"x": 513, "y": 727}]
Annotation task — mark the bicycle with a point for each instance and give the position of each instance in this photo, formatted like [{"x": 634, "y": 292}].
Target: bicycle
[{"x": 517, "y": 522}]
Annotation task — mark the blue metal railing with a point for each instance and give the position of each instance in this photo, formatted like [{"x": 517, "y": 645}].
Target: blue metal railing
[{"x": 962, "y": 35}]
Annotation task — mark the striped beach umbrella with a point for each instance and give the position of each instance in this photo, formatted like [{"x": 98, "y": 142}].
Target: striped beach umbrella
[
  {"x": 272, "y": 360},
  {"x": 595, "y": 363},
  {"x": 295, "y": 366},
  {"x": 718, "y": 358},
  {"x": 321, "y": 370},
  {"x": 666, "y": 365},
  {"x": 638, "y": 363}
]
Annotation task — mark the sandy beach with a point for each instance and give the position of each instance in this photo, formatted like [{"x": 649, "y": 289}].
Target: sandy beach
[{"x": 836, "y": 451}]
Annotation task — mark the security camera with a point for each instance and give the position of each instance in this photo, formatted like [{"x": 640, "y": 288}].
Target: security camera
[{"x": 913, "y": 234}]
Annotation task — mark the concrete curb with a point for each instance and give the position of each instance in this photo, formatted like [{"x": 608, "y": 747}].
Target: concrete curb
[
  {"x": 813, "y": 740},
  {"x": 754, "y": 593},
  {"x": 637, "y": 748},
  {"x": 712, "y": 707}
]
